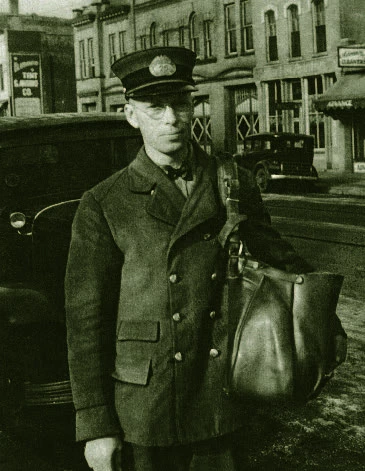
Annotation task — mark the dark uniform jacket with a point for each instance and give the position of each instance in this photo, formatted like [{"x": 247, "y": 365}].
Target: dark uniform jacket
[{"x": 146, "y": 337}]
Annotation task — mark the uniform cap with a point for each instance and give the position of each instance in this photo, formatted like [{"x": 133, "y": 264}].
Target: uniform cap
[{"x": 156, "y": 71}]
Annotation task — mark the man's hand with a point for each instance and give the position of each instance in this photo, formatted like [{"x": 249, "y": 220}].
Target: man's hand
[{"x": 104, "y": 454}]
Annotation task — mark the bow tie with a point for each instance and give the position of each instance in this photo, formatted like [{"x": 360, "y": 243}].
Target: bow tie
[{"x": 184, "y": 172}]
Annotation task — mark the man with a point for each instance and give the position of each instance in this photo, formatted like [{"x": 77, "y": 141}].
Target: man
[{"x": 146, "y": 336}]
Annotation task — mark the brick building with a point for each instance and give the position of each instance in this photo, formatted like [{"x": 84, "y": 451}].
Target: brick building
[
  {"x": 261, "y": 65},
  {"x": 37, "y": 69}
]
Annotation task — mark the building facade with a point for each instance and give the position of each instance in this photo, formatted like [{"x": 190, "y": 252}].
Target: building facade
[
  {"x": 261, "y": 66},
  {"x": 37, "y": 69}
]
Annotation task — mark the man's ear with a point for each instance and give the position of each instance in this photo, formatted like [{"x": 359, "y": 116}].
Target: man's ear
[{"x": 131, "y": 116}]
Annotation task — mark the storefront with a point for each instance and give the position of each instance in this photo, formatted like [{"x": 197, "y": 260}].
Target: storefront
[{"x": 345, "y": 101}]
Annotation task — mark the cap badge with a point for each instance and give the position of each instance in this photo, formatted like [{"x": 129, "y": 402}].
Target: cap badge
[{"x": 162, "y": 66}]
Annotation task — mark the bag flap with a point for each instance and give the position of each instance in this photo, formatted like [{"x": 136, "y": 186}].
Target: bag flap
[{"x": 143, "y": 330}]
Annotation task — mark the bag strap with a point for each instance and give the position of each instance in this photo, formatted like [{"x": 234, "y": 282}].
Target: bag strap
[{"x": 229, "y": 186}]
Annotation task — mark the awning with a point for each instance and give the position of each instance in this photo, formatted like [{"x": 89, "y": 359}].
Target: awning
[{"x": 347, "y": 94}]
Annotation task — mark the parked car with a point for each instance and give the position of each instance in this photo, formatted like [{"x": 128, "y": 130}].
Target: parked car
[
  {"x": 279, "y": 156},
  {"x": 46, "y": 163}
]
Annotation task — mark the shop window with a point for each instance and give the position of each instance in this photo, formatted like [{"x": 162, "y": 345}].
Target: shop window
[
  {"x": 319, "y": 18},
  {"x": 143, "y": 41},
  {"x": 122, "y": 43},
  {"x": 1, "y": 77},
  {"x": 201, "y": 125},
  {"x": 271, "y": 37},
  {"x": 112, "y": 49},
  {"x": 246, "y": 26},
  {"x": 316, "y": 118},
  {"x": 91, "y": 57},
  {"x": 274, "y": 99},
  {"x": 153, "y": 37},
  {"x": 295, "y": 121},
  {"x": 230, "y": 29},
  {"x": 165, "y": 38},
  {"x": 194, "y": 34},
  {"x": 208, "y": 49},
  {"x": 293, "y": 20},
  {"x": 246, "y": 111},
  {"x": 82, "y": 52},
  {"x": 182, "y": 36}
]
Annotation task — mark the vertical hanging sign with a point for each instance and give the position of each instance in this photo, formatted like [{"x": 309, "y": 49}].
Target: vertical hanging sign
[{"x": 26, "y": 84}]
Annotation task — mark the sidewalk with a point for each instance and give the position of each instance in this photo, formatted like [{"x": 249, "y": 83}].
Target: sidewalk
[{"x": 341, "y": 183}]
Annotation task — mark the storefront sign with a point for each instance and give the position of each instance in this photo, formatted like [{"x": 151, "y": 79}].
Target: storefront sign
[
  {"x": 340, "y": 104},
  {"x": 26, "y": 84},
  {"x": 351, "y": 56}
]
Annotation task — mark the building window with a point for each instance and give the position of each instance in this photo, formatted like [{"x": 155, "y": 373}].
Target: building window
[
  {"x": 316, "y": 118},
  {"x": 274, "y": 102},
  {"x": 153, "y": 38},
  {"x": 165, "y": 38},
  {"x": 143, "y": 40},
  {"x": 112, "y": 49},
  {"x": 320, "y": 25},
  {"x": 194, "y": 34},
  {"x": 2, "y": 85},
  {"x": 181, "y": 36},
  {"x": 247, "y": 115},
  {"x": 246, "y": 26},
  {"x": 88, "y": 107},
  {"x": 208, "y": 50},
  {"x": 83, "y": 68},
  {"x": 295, "y": 121},
  {"x": 271, "y": 38},
  {"x": 201, "y": 125},
  {"x": 90, "y": 48},
  {"x": 230, "y": 29},
  {"x": 293, "y": 19},
  {"x": 122, "y": 43}
]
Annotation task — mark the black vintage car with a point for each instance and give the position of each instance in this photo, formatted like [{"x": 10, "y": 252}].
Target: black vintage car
[
  {"x": 279, "y": 156},
  {"x": 46, "y": 163}
]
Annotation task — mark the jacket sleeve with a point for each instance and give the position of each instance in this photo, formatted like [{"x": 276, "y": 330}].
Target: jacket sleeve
[
  {"x": 262, "y": 240},
  {"x": 91, "y": 293}
]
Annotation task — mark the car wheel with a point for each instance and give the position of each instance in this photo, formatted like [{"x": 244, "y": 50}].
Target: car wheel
[{"x": 262, "y": 179}]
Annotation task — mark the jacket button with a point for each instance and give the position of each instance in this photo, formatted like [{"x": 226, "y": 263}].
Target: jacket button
[
  {"x": 214, "y": 276},
  {"x": 207, "y": 236},
  {"x": 212, "y": 314},
  {"x": 173, "y": 278},
  {"x": 213, "y": 353},
  {"x": 176, "y": 317},
  {"x": 178, "y": 356}
]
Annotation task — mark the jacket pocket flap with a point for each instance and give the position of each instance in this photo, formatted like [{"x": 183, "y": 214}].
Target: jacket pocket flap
[
  {"x": 135, "y": 372},
  {"x": 147, "y": 331}
]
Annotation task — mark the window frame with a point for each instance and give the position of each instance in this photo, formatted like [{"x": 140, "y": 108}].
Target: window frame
[
  {"x": 82, "y": 58},
  {"x": 194, "y": 39},
  {"x": 230, "y": 29},
  {"x": 294, "y": 31},
  {"x": 319, "y": 24},
  {"x": 112, "y": 48},
  {"x": 122, "y": 36},
  {"x": 91, "y": 58},
  {"x": 246, "y": 26},
  {"x": 208, "y": 44},
  {"x": 271, "y": 36}
]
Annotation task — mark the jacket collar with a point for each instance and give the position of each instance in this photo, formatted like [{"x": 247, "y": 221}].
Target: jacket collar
[{"x": 167, "y": 202}]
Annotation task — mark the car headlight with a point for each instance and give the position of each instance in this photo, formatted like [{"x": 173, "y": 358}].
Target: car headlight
[{"x": 17, "y": 220}]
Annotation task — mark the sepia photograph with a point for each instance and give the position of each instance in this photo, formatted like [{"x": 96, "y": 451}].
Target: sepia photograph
[{"x": 182, "y": 235}]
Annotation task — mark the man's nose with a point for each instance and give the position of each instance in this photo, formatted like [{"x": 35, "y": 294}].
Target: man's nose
[{"x": 170, "y": 114}]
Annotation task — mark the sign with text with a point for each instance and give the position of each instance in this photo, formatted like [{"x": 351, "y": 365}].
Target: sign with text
[
  {"x": 351, "y": 56},
  {"x": 26, "y": 84}
]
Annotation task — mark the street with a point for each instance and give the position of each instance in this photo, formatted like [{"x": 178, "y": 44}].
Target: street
[{"x": 328, "y": 433}]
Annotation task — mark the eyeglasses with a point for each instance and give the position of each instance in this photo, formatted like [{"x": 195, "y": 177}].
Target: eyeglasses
[{"x": 157, "y": 111}]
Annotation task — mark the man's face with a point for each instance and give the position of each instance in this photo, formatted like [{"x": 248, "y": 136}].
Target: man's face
[{"x": 164, "y": 120}]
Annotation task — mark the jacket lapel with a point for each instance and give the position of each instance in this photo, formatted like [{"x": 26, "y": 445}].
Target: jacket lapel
[
  {"x": 167, "y": 201},
  {"x": 202, "y": 203}
]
